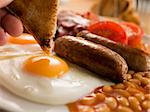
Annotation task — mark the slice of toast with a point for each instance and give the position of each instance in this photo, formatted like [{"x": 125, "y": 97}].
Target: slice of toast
[{"x": 39, "y": 18}]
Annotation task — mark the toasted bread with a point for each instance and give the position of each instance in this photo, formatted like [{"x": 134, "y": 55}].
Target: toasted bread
[{"x": 39, "y": 18}]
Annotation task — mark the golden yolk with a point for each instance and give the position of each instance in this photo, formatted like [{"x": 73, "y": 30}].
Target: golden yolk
[
  {"x": 45, "y": 66},
  {"x": 23, "y": 39}
]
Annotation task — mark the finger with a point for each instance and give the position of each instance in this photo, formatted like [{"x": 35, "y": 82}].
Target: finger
[
  {"x": 3, "y": 39},
  {"x": 12, "y": 25},
  {"x": 4, "y": 3}
]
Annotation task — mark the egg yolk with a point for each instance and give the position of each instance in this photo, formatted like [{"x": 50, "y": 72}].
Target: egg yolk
[
  {"x": 46, "y": 66},
  {"x": 23, "y": 39}
]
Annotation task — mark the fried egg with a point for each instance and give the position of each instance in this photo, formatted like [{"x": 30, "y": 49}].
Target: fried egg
[
  {"x": 24, "y": 44},
  {"x": 46, "y": 80},
  {"x": 22, "y": 40}
]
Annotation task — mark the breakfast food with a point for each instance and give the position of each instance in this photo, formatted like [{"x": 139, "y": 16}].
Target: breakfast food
[
  {"x": 121, "y": 32},
  {"x": 24, "y": 39},
  {"x": 39, "y": 19},
  {"x": 130, "y": 96},
  {"x": 70, "y": 23},
  {"x": 46, "y": 80},
  {"x": 126, "y": 37},
  {"x": 103, "y": 47},
  {"x": 96, "y": 58},
  {"x": 22, "y": 45},
  {"x": 133, "y": 56}
]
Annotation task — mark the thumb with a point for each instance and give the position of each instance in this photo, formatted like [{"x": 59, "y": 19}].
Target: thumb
[{"x": 4, "y": 3}]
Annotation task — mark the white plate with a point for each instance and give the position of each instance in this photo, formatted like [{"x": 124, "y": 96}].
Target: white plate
[
  {"x": 14, "y": 103},
  {"x": 10, "y": 102}
]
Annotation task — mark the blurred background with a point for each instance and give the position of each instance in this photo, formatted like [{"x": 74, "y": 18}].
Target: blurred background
[{"x": 137, "y": 11}]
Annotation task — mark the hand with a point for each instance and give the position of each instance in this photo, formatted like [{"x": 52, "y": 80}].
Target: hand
[{"x": 8, "y": 23}]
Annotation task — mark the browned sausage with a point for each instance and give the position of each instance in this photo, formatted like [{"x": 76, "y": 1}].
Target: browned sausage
[
  {"x": 96, "y": 58},
  {"x": 136, "y": 59}
]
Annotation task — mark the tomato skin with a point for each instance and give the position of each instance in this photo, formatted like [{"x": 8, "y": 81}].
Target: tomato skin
[
  {"x": 110, "y": 30},
  {"x": 134, "y": 40},
  {"x": 135, "y": 28}
]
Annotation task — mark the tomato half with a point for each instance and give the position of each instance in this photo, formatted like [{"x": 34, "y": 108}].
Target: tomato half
[
  {"x": 135, "y": 37},
  {"x": 110, "y": 30}
]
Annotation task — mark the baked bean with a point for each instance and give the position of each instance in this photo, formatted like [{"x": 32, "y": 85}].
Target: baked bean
[
  {"x": 134, "y": 104},
  {"x": 145, "y": 81},
  {"x": 135, "y": 81},
  {"x": 146, "y": 104},
  {"x": 124, "y": 109},
  {"x": 127, "y": 77},
  {"x": 147, "y": 88},
  {"x": 111, "y": 102},
  {"x": 140, "y": 96},
  {"x": 133, "y": 91},
  {"x": 100, "y": 97},
  {"x": 122, "y": 92},
  {"x": 147, "y": 96},
  {"x": 89, "y": 100},
  {"x": 107, "y": 89},
  {"x": 102, "y": 108},
  {"x": 123, "y": 101},
  {"x": 129, "y": 84},
  {"x": 119, "y": 86},
  {"x": 137, "y": 76},
  {"x": 87, "y": 109}
]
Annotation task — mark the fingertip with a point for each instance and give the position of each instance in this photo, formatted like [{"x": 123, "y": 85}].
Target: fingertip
[
  {"x": 12, "y": 25},
  {"x": 4, "y": 3},
  {"x": 3, "y": 39}
]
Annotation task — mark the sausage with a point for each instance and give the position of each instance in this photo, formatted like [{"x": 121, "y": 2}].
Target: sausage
[
  {"x": 136, "y": 59},
  {"x": 95, "y": 58}
]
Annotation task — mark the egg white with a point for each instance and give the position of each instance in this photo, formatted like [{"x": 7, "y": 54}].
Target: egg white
[
  {"x": 76, "y": 83},
  {"x": 10, "y": 50}
]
